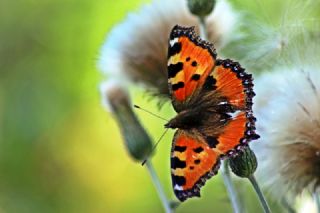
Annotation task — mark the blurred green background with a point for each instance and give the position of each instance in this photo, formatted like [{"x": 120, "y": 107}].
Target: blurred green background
[{"x": 59, "y": 150}]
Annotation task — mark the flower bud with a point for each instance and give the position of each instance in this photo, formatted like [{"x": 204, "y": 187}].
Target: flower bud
[
  {"x": 174, "y": 204},
  {"x": 244, "y": 164},
  {"x": 201, "y": 8},
  {"x": 116, "y": 99}
]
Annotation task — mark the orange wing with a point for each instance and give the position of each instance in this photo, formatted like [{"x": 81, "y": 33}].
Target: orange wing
[
  {"x": 234, "y": 87},
  {"x": 233, "y": 135},
  {"x": 195, "y": 156},
  {"x": 192, "y": 163},
  {"x": 190, "y": 60},
  {"x": 233, "y": 83},
  {"x": 217, "y": 121}
]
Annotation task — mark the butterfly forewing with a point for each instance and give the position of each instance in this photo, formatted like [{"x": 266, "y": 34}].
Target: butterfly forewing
[{"x": 190, "y": 60}]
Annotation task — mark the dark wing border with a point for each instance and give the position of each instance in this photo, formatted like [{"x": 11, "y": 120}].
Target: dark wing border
[
  {"x": 247, "y": 82},
  {"x": 195, "y": 190},
  {"x": 178, "y": 31}
]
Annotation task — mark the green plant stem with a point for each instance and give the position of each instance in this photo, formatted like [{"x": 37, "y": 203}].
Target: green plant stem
[
  {"x": 262, "y": 199},
  {"x": 157, "y": 184},
  {"x": 287, "y": 206},
  {"x": 317, "y": 200},
  {"x": 202, "y": 28},
  {"x": 233, "y": 195}
]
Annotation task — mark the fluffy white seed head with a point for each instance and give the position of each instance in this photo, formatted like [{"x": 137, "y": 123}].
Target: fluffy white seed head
[
  {"x": 287, "y": 108},
  {"x": 136, "y": 49},
  {"x": 113, "y": 94}
]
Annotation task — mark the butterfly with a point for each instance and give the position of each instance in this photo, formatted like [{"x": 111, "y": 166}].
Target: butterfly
[{"x": 213, "y": 101}]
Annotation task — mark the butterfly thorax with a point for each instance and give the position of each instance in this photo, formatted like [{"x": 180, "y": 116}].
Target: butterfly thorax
[{"x": 186, "y": 119}]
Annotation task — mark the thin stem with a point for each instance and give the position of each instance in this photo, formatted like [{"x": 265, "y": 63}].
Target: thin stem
[
  {"x": 287, "y": 206},
  {"x": 317, "y": 200},
  {"x": 202, "y": 28},
  {"x": 233, "y": 195},
  {"x": 158, "y": 187},
  {"x": 262, "y": 199}
]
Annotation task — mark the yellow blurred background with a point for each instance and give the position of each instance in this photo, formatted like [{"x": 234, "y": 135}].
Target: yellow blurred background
[{"x": 60, "y": 151}]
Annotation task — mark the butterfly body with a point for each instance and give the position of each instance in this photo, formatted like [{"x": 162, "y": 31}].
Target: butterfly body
[
  {"x": 186, "y": 119},
  {"x": 213, "y": 99}
]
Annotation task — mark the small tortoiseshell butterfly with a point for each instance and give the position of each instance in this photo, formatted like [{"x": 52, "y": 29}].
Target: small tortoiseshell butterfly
[{"x": 213, "y": 99}]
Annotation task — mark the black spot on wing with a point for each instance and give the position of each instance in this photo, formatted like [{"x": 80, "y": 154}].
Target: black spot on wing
[
  {"x": 209, "y": 84},
  {"x": 198, "y": 149},
  {"x": 194, "y": 64},
  {"x": 177, "y": 86},
  {"x": 195, "y": 77},
  {"x": 197, "y": 161},
  {"x": 177, "y": 163},
  {"x": 212, "y": 141},
  {"x": 175, "y": 49},
  {"x": 179, "y": 180},
  {"x": 173, "y": 69},
  {"x": 180, "y": 148},
  {"x": 188, "y": 59}
]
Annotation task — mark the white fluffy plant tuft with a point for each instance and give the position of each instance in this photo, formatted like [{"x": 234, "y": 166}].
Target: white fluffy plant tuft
[
  {"x": 136, "y": 49},
  {"x": 288, "y": 112},
  {"x": 273, "y": 32}
]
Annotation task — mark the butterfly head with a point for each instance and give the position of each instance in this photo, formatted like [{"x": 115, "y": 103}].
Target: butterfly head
[{"x": 173, "y": 123}]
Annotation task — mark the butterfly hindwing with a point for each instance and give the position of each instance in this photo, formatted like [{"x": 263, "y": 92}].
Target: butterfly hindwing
[
  {"x": 233, "y": 88},
  {"x": 192, "y": 163},
  {"x": 190, "y": 60},
  {"x": 231, "y": 136}
]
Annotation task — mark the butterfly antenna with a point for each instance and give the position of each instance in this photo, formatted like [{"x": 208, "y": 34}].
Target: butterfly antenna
[
  {"x": 136, "y": 106},
  {"x": 155, "y": 145}
]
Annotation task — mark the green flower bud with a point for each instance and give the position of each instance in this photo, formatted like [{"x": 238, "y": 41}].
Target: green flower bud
[
  {"x": 201, "y": 8},
  {"x": 174, "y": 204},
  {"x": 244, "y": 164},
  {"x": 136, "y": 139}
]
